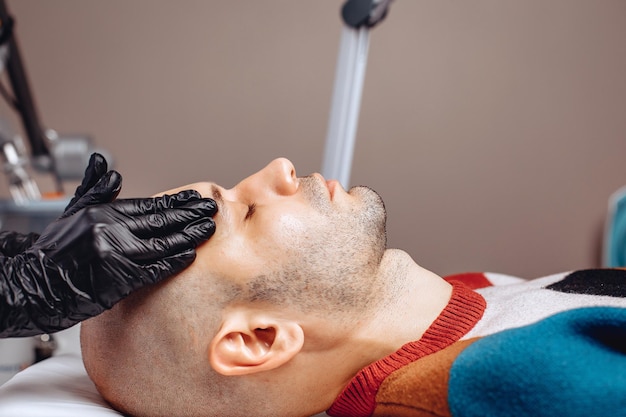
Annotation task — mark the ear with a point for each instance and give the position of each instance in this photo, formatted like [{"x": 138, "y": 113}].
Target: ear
[{"x": 253, "y": 341}]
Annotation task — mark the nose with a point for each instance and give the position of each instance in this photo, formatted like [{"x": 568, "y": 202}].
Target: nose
[
  {"x": 282, "y": 175},
  {"x": 277, "y": 178}
]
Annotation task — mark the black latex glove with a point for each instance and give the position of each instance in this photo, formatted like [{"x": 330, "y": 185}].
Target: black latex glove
[
  {"x": 85, "y": 262},
  {"x": 13, "y": 243},
  {"x": 94, "y": 188}
]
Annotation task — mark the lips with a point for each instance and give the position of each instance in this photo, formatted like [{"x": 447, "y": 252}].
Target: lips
[{"x": 321, "y": 183}]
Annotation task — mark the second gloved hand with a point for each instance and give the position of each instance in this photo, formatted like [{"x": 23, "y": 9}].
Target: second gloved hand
[
  {"x": 98, "y": 186},
  {"x": 84, "y": 263}
]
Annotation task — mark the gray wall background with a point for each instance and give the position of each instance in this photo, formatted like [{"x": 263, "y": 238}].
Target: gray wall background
[{"x": 494, "y": 130}]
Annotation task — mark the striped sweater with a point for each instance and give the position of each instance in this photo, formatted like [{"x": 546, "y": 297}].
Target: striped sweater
[{"x": 507, "y": 346}]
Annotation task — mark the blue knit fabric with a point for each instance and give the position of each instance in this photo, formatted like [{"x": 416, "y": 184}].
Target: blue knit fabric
[{"x": 570, "y": 364}]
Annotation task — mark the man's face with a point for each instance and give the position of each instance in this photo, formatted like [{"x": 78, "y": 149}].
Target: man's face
[{"x": 274, "y": 220}]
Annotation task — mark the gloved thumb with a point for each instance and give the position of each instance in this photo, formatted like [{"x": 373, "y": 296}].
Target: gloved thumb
[
  {"x": 96, "y": 168},
  {"x": 104, "y": 191}
]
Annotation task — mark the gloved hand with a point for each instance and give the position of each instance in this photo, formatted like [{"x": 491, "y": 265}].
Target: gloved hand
[
  {"x": 88, "y": 260},
  {"x": 13, "y": 243}
]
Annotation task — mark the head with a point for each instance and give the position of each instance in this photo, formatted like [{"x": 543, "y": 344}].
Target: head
[{"x": 259, "y": 322}]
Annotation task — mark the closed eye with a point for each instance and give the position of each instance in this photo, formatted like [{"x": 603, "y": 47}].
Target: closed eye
[{"x": 251, "y": 210}]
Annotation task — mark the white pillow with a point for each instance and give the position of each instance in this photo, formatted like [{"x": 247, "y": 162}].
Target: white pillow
[{"x": 56, "y": 387}]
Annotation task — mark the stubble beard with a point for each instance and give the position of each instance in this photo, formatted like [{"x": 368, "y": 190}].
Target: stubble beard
[{"x": 372, "y": 218}]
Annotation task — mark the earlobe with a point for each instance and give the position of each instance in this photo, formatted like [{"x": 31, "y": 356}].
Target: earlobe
[{"x": 249, "y": 342}]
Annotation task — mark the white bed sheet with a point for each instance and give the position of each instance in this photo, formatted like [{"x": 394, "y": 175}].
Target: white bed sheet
[{"x": 56, "y": 387}]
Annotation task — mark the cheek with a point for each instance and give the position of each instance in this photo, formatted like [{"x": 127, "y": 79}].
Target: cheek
[
  {"x": 290, "y": 228},
  {"x": 287, "y": 235},
  {"x": 289, "y": 224},
  {"x": 227, "y": 257}
]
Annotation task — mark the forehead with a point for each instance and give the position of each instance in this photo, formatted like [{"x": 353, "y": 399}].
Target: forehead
[{"x": 203, "y": 187}]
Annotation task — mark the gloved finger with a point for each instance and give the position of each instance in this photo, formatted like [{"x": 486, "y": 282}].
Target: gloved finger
[
  {"x": 166, "y": 267},
  {"x": 96, "y": 168},
  {"x": 136, "y": 276},
  {"x": 195, "y": 207},
  {"x": 123, "y": 243},
  {"x": 168, "y": 221},
  {"x": 155, "y": 248},
  {"x": 104, "y": 191},
  {"x": 136, "y": 206}
]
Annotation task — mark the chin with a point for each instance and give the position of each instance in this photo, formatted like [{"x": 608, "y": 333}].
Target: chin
[
  {"x": 373, "y": 213},
  {"x": 372, "y": 201}
]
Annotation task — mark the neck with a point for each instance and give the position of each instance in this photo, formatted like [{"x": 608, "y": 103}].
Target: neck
[
  {"x": 411, "y": 300},
  {"x": 414, "y": 298}
]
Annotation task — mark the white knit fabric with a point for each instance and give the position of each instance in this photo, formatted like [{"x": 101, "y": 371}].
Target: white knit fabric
[{"x": 524, "y": 302}]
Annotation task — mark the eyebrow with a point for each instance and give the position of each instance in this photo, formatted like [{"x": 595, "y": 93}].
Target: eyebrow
[{"x": 217, "y": 196}]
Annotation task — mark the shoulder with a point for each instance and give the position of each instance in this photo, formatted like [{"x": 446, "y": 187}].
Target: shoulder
[{"x": 420, "y": 387}]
